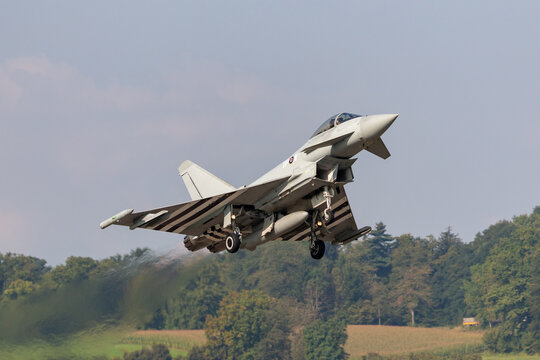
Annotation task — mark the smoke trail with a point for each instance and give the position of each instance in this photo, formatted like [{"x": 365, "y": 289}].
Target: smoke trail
[{"x": 127, "y": 294}]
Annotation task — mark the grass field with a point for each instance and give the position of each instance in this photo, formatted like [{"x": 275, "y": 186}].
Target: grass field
[
  {"x": 363, "y": 339},
  {"x": 179, "y": 341},
  {"x": 385, "y": 340},
  {"x": 107, "y": 343}
]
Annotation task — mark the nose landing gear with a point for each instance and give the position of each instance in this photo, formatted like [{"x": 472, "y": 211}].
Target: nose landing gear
[{"x": 316, "y": 247}]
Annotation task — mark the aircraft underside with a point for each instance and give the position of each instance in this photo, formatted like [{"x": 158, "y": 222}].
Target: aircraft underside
[{"x": 317, "y": 211}]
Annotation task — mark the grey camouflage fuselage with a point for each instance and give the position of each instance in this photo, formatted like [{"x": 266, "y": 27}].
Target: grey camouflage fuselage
[{"x": 301, "y": 198}]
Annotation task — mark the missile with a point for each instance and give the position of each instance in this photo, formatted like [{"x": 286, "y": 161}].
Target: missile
[{"x": 115, "y": 218}]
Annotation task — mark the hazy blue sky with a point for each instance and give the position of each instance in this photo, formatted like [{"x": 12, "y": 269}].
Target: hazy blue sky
[{"x": 101, "y": 101}]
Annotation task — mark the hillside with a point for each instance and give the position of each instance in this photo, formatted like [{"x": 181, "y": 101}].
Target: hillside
[{"x": 253, "y": 302}]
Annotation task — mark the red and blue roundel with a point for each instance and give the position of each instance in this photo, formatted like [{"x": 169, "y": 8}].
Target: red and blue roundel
[{"x": 291, "y": 159}]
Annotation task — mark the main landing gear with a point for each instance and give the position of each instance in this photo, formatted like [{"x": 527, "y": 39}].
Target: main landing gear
[{"x": 232, "y": 241}]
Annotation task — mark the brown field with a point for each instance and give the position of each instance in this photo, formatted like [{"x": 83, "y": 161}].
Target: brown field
[
  {"x": 364, "y": 339},
  {"x": 195, "y": 335}
]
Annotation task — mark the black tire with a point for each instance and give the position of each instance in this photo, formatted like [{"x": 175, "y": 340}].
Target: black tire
[
  {"x": 317, "y": 249},
  {"x": 328, "y": 216},
  {"x": 232, "y": 243}
]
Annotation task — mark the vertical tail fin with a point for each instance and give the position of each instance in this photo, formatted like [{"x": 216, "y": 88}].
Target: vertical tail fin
[{"x": 201, "y": 183}]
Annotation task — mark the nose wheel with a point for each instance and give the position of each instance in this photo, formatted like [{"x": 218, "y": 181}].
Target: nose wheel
[{"x": 316, "y": 248}]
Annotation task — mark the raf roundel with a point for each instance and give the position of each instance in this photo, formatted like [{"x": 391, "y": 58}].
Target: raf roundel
[{"x": 291, "y": 159}]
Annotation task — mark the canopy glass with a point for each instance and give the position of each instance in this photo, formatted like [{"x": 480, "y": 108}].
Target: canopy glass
[{"x": 334, "y": 121}]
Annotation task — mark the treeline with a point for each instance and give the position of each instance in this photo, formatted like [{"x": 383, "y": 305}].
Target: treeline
[
  {"x": 382, "y": 279},
  {"x": 21, "y": 275}
]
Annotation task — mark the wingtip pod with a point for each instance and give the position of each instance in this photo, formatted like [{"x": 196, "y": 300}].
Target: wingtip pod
[{"x": 115, "y": 218}]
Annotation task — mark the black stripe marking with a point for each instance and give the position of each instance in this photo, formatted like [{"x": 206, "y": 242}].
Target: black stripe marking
[
  {"x": 199, "y": 213},
  {"x": 171, "y": 220},
  {"x": 337, "y": 218},
  {"x": 340, "y": 207},
  {"x": 296, "y": 232}
]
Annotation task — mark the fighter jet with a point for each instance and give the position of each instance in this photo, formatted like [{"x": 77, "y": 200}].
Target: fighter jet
[{"x": 303, "y": 198}]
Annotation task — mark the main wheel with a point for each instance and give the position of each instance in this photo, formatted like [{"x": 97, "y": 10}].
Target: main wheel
[
  {"x": 328, "y": 216},
  {"x": 317, "y": 249},
  {"x": 232, "y": 243}
]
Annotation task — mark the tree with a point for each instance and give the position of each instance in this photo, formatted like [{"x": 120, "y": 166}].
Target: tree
[
  {"x": 531, "y": 343},
  {"x": 446, "y": 241},
  {"x": 499, "y": 287},
  {"x": 487, "y": 240},
  {"x": 15, "y": 267},
  {"x": 76, "y": 269},
  {"x": 276, "y": 343},
  {"x": 19, "y": 288},
  {"x": 319, "y": 291},
  {"x": 325, "y": 340},
  {"x": 412, "y": 288},
  {"x": 189, "y": 308},
  {"x": 157, "y": 352},
  {"x": 351, "y": 274},
  {"x": 361, "y": 277},
  {"x": 379, "y": 297},
  {"x": 410, "y": 273},
  {"x": 379, "y": 244},
  {"x": 450, "y": 266},
  {"x": 240, "y": 325}
]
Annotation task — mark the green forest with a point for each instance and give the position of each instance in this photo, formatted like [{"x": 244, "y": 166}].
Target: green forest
[{"x": 279, "y": 303}]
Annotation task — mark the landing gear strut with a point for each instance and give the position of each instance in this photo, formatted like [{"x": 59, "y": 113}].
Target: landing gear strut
[{"x": 328, "y": 214}]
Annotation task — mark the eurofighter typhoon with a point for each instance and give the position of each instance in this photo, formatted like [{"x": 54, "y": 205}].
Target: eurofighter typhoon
[{"x": 303, "y": 198}]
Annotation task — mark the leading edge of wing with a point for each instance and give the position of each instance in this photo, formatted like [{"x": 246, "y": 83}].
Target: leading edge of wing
[{"x": 180, "y": 217}]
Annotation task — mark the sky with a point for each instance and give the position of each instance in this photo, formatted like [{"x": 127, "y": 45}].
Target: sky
[{"x": 101, "y": 101}]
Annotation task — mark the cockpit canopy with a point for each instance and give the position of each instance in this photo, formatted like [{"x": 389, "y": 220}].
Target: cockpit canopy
[{"x": 334, "y": 121}]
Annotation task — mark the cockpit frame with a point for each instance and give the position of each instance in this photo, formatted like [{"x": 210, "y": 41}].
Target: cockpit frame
[{"x": 333, "y": 121}]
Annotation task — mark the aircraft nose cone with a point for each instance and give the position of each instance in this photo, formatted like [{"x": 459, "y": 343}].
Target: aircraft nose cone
[{"x": 376, "y": 125}]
